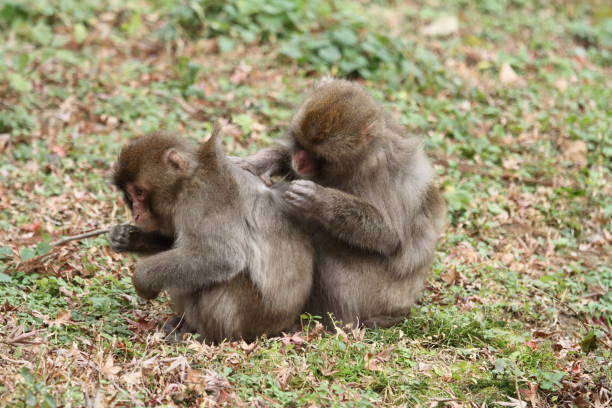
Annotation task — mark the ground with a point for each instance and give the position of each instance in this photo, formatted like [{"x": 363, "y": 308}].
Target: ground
[{"x": 512, "y": 98}]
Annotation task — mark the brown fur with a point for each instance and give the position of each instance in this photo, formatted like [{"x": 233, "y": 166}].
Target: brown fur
[
  {"x": 225, "y": 249},
  {"x": 372, "y": 203}
]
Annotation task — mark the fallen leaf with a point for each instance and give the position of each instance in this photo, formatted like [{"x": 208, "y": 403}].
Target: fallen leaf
[
  {"x": 451, "y": 277},
  {"x": 32, "y": 227},
  {"x": 295, "y": 338},
  {"x": 507, "y": 74},
  {"x": 512, "y": 163},
  {"x": 445, "y": 25},
  {"x": 18, "y": 338},
  {"x": 59, "y": 150},
  {"x": 375, "y": 362},
  {"x": 133, "y": 378},
  {"x": 61, "y": 319},
  {"x": 109, "y": 368},
  {"x": 513, "y": 402},
  {"x": 561, "y": 84},
  {"x": 575, "y": 151},
  {"x": 248, "y": 347},
  {"x": 4, "y": 142},
  {"x": 141, "y": 325}
]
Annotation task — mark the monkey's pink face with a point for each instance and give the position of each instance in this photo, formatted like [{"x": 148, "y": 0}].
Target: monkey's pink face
[
  {"x": 138, "y": 197},
  {"x": 303, "y": 163}
]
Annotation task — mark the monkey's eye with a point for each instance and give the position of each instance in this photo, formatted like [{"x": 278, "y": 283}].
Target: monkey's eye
[{"x": 139, "y": 192}]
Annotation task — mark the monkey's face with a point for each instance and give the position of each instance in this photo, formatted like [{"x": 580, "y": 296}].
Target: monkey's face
[
  {"x": 148, "y": 171},
  {"x": 332, "y": 127},
  {"x": 138, "y": 199},
  {"x": 319, "y": 144}
]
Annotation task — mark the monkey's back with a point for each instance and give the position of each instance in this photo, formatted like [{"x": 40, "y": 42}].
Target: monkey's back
[
  {"x": 356, "y": 285},
  {"x": 268, "y": 296}
]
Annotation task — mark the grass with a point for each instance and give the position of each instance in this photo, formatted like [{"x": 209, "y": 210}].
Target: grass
[{"x": 514, "y": 108}]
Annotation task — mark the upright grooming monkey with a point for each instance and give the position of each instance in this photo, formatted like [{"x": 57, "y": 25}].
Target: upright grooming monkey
[{"x": 366, "y": 192}]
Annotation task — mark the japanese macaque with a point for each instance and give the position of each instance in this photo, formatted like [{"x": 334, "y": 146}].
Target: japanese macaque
[
  {"x": 216, "y": 238},
  {"x": 366, "y": 189}
]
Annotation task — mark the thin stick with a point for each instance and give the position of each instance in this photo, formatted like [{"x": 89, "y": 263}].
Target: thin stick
[{"x": 80, "y": 236}]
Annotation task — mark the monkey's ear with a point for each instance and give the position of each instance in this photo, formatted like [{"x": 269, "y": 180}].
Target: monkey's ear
[
  {"x": 370, "y": 131},
  {"x": 177, "y": 160}
]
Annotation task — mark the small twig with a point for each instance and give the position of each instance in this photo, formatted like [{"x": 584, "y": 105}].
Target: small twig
[{"x": 80, "y": 236}]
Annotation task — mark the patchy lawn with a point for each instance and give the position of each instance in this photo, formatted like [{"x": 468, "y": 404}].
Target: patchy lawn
[{"x": 512, "y": 97}]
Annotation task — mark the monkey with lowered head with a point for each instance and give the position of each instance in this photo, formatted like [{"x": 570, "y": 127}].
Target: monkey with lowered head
[
  {"x": 216, "y": 238},
  {"x": 366, "y": 188}
]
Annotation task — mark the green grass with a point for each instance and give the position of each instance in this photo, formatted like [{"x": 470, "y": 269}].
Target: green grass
[{"x": 514, "y": 108}]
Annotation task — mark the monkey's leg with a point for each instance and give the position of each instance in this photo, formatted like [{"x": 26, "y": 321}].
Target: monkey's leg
[
  {"x": 175, "y": 328},
  {"x": 129, "y": 238},
  {"x": 187, "y": 270}
]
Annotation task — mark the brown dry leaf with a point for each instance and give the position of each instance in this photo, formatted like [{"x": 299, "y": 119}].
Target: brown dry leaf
[
  {"x": 295, "y": 338},
  {"x": 141, "y": 325},
  {"x": 4, "y": 142},
  {"x": 575, "y": 151},
  {"x": 443, "y": 26},
  {"x": 451, "y": 276},
  {"x": 282, "y": 376},
  {"x": 133, "y": 378},
  {"x": 375, "y": 362},
  {"x": 513, "y": 402},
  {"x": 507, "y": 75},
  {"x": 316, "y": 332},
  {"x": 531, "y": 394},
  {"x": 248, "y": 348},
  {"x": 561, "y": 84},
  {"x": 358, "y": 334},
  {"x": 59, "y": 150},
  {"x": 507, "y": 258},
  {"x": 215, "y": 382},
  {"x": 109, "y": 368},
  {"x": 61, "y": 319},
  {"x": 18, "y": 338},
  {"x": 512, "y": 163},
  {"x": 241, "y": 73},
  {"x": 32, "y": 227},
  {"x": 194, "y": 376},
  {"x": 341, "y": 333}
]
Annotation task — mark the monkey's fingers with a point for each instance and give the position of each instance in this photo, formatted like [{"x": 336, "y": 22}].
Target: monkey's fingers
[
  {"x": 267, "y": 177},
  {"x": 297, "y": 200}
]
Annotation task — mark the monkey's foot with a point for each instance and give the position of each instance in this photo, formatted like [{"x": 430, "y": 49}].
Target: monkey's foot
[{"x": 175, "y": 328}]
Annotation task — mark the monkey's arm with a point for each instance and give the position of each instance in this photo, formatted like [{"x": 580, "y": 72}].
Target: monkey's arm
[
  {"x": 270, "y": 162},
  {"x": 349, "y": 218},
  {"x": 129, "y": 238},
  {"x": 187, "y": 270}
]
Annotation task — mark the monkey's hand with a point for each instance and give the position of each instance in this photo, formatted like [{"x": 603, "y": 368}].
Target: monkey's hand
[
  {"x": 145, "y": 282},
  {"x": 119, "y": 237},
  {"x": 305, "y": 196},
  {"x": 263, "y": 170}
]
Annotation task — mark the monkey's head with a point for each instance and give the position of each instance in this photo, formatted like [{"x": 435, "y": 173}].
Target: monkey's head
[
  {"x": 334, "y": 125},
  {"x": 149, "y": 172}
]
